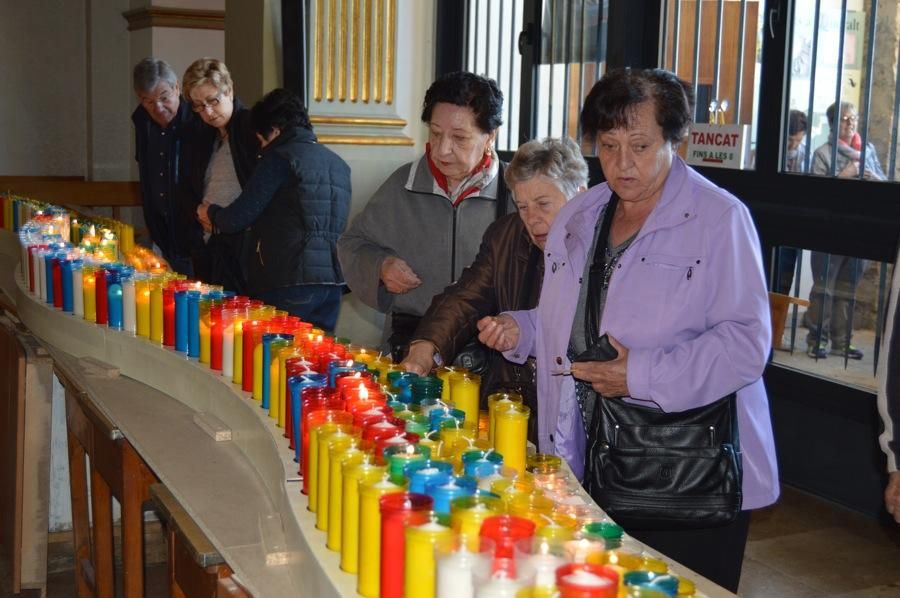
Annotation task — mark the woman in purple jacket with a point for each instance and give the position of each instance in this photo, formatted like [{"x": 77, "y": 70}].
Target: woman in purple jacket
[{"x": 684, "y": 302}]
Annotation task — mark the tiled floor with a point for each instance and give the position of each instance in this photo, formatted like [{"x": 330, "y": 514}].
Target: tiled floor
[
  {"x": 802, "y": 547},
  {"x": 805, "y": 547}
]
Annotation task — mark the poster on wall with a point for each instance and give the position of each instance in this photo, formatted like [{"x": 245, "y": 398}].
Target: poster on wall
[{"x": 719, "y": 146}]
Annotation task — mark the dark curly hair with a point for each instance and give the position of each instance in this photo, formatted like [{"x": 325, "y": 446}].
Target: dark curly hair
[
  {"x": 479, "y": 93},
  {"x": 611, "y": 102},
  {"x": 279, "y": 108}
]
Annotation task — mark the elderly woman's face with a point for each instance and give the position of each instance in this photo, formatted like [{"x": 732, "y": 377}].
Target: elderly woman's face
[
  {"x": 214, "y": 106},
  {"x": 848, "y": 125},
  {"x": 538, "y": 200},
  {"x": 457, "y": 144},
  {"x": 636, "y": 160}
]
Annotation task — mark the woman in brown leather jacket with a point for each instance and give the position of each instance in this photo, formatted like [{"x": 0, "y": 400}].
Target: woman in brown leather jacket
[{"x": 507, "y": 272}]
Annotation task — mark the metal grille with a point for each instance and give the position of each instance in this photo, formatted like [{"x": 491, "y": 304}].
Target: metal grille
[{"x": 572, "y": 38}]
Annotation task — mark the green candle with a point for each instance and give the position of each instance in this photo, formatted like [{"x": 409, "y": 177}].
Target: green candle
[{"x": 399, "y": 457}]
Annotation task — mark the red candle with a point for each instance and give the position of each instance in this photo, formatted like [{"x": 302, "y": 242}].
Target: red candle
[
  {"x": 57, "y": 283},
  {"x": 215, "y": 337},
  {"x": 252, "y": 331},
  {"x": 584, "y": 580},
  {"x": 169, "y": 315},
  {"x": 504, "y": 531},
  {"x": 398, "y": 510},
  {"x": 100, "y": 294}
]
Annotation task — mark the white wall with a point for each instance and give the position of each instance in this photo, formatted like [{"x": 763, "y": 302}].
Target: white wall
[{"x": 43, "y": 94}]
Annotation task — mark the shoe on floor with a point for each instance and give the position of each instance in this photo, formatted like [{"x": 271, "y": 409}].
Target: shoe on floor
[
  {"x": 819, "y": 351},
  {"x": 852, "y": 352}
]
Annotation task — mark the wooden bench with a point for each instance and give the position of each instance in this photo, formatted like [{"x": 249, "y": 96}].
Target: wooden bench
[
  {"x": 116, "y": 470},
  {"x": 195, "y": 566}
]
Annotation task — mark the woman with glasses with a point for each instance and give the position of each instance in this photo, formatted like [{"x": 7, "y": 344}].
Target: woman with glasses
[
  {"x": 835, "y": 277},
  {"x": 219, "y": 161},
  {"x": 425, "y": 222}
]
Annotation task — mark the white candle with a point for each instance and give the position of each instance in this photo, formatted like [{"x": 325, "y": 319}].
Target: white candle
[
  {"x": 25, "y": 264},
  {"x": 129, "y": 319},
  {"x": 228, "y": 351},
  {"x": 545, "y": 565},
  {"x": 77, "y": 292},
  {"x": 454, "y": 575},
  {"x": 41, "y": 273},
  {"x": 500, "y": 586},
  {"x": 586, "y": 579}
]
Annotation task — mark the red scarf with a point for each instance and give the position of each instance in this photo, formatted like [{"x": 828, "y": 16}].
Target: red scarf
[{"x": 441, "y": 180}]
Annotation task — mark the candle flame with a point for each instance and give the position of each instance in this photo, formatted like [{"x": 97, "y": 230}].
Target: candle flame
[
  {"x": 93, "y": 231},
  {"x": 349, "y": 363},
  {"x": 410, "y": 449},
  {"x": 363, "y": 391}
]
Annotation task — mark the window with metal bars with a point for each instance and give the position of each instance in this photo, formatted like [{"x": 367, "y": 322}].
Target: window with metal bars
[{"x": 544, "y": 71}]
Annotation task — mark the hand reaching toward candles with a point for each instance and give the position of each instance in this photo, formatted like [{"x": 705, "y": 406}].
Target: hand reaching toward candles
[
  {"x": 397, "y": 276},
  {"x": 892, "y": 495},
  {"x": 203, "y": 217},
  {"x": 420, "y": 358},
  {"x": 498, "y": 332},
  {"x": 609, "y": 378}
]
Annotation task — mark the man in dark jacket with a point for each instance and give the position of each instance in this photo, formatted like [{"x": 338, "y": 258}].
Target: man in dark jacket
[
  {"x": 297, "y": 200},
  {"x": 507, "y": 272},
  {"x": 161, "y": 124}
]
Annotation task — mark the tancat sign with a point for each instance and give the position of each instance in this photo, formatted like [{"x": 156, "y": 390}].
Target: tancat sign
[{"x": 719, "y": 146}]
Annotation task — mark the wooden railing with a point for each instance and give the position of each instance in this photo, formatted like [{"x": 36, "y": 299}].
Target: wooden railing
[{"x": 73, "y": 191}]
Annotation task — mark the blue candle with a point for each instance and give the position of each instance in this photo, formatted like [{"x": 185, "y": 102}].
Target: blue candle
[
  {"x": 267, "y": 339},
  {"x": 296, "y": 384},
  {"x": 181, "y": 321},
  {"x": 481, "y": 464},
  {"x": 443, "y": 493},
  {"x": 114, "y": 297},
  {"x": 422, "y": 473},
  {"x": 68, "y": 302},
  {"x": 437, "y": 417},
  {"x": 48, "y": 274},
  {"x": 193, "y": 324},
  {"x": 336, "y": 366}
]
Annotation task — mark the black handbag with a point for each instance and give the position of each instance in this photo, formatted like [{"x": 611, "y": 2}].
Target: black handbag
[{"x": 649, "y": 469}]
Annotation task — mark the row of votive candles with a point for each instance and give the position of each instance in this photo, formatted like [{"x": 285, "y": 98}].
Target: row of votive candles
[
  {"x": 387, "y": 510},
  {"x": 343, "y": 414}
]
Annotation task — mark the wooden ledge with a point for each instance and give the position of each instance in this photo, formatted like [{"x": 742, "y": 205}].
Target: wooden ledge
[
  {"x": 73, "y": 191},
  {"x": 168, "y": 16}
]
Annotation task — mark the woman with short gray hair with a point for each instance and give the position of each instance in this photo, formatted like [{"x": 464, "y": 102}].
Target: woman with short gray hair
[{"x": 507, "y": 272}]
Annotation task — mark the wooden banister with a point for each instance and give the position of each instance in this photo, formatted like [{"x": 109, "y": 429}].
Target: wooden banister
[{"x": 73, "y": 191}]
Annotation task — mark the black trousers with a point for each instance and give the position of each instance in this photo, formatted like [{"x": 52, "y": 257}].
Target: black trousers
[{"x": 716, "y": 553}]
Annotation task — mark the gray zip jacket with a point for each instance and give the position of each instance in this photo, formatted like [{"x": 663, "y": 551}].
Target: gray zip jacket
[{"x": 410, "y": 217}]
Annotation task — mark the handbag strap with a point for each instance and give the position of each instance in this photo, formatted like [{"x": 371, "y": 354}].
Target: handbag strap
[{"x": 596, "y": 275}]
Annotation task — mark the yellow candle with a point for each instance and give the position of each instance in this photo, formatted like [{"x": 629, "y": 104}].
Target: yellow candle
[
  {"x": 649, "y": 563},
  {"x": 366, "y": 356},
  {"x": 89, "y": 293},
  {"x": 369, "y": 583},
  {"x": 354, "y": 474},
  {"x": 467, "y": 513},
  {"x": 340, "y": 439},
  {"x": 142, "y": 306},
  {"x": 421, "y": 543},
  {"x": 237, "y": 374},
  {"x": 686, "y": 587},
  {"x": 340, "y": 456},
  {"x": 500, "y": 400},
  {"x": 534, "y": 506},
  {"x": 445, "y": 373},
  {"x": 276, "y": 392},
  {"x": 126, "y": 238},
  {"x": 511, "y": 436},
  {"x": 205, "y": 344},
  {"x": 257, "y": 370},
  {"x": 314, "y": 433},
  {"x": 156, "y": 309},
  {"x": 464, "y": 394}
]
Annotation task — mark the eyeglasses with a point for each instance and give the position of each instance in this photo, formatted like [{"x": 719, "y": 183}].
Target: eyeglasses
[
  {"x": 849, "y": 118},
  {"x": 210, "y": 103}
]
